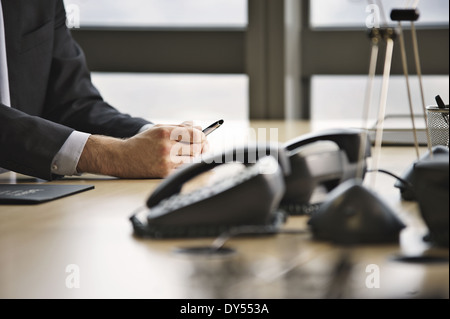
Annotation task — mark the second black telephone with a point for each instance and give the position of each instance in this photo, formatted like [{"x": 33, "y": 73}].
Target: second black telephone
[{"x": 326, "y": 158}]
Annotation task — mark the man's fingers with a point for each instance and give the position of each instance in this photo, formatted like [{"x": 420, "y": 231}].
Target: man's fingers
[
  {"x": 187, "y": 123},
  {"x": 191, "y": 124},
  {"x": 206, "y": 147},
  {"x": 184, "y": 160},
  {"x": 186, "y": 149},
  {"x": 187, "y": 135}
]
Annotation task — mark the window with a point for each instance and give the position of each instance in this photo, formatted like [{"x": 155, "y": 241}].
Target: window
[
  {"x": 342, "y": 70},
  {"x": 344, "y": 98},
  {"x": 160, "y": 13},
  {"x": 168, "y": 55},
  {"x": 354, "y": 13},
  {"x": 167, "y": 98}
]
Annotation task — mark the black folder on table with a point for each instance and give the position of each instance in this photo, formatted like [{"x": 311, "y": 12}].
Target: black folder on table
[{"x": 29, "y": 194}]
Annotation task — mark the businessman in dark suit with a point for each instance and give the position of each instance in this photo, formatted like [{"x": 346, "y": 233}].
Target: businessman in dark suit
[{"x": 53, "y": 121}]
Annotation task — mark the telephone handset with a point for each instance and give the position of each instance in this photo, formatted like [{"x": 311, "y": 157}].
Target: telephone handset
[
  {"x": 250, "y": 197},
  {"x": 326, "y": 158},
  {"x": 248, "y": 154}
]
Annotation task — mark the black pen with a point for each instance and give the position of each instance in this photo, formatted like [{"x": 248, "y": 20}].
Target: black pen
[
  {"x": 439, "y": 102},
  {"x": 442, "y": 106},
  {"x": 213, "y": 127}
]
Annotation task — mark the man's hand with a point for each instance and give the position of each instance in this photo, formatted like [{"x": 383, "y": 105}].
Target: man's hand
[{"x": 154, "y": 153}]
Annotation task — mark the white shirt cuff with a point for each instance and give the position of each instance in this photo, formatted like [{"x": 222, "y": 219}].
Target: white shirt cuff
[
  {"x": 146, "y": 127},
  {"x": 66, "y": 160}
]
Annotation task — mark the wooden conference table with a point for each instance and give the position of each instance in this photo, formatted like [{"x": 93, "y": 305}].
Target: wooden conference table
[{"x": 89, "y": 235}]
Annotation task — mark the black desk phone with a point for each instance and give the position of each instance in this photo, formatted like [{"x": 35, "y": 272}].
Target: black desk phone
[
  {"x": 249, "y": 197},
  {"x": 273, "y": 177}
]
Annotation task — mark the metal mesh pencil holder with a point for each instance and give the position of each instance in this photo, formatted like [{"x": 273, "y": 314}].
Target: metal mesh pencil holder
[{"x": 438, "y": 125}]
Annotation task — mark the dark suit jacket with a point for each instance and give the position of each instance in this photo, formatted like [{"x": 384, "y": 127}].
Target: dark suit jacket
[{"x": 51, "y": 90}]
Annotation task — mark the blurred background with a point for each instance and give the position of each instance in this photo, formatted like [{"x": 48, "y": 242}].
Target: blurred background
[{"x": 203, "y": 60}]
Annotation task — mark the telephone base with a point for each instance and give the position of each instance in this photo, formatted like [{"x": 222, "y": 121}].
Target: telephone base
[{"x": 143, "y": 230}]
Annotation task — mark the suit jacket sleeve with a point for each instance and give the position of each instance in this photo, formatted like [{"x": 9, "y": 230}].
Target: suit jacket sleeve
[
  {"x": 51, "y": 90},
  {"x": 72, "y": 100},
  {"x": 29, "y": 143}
]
